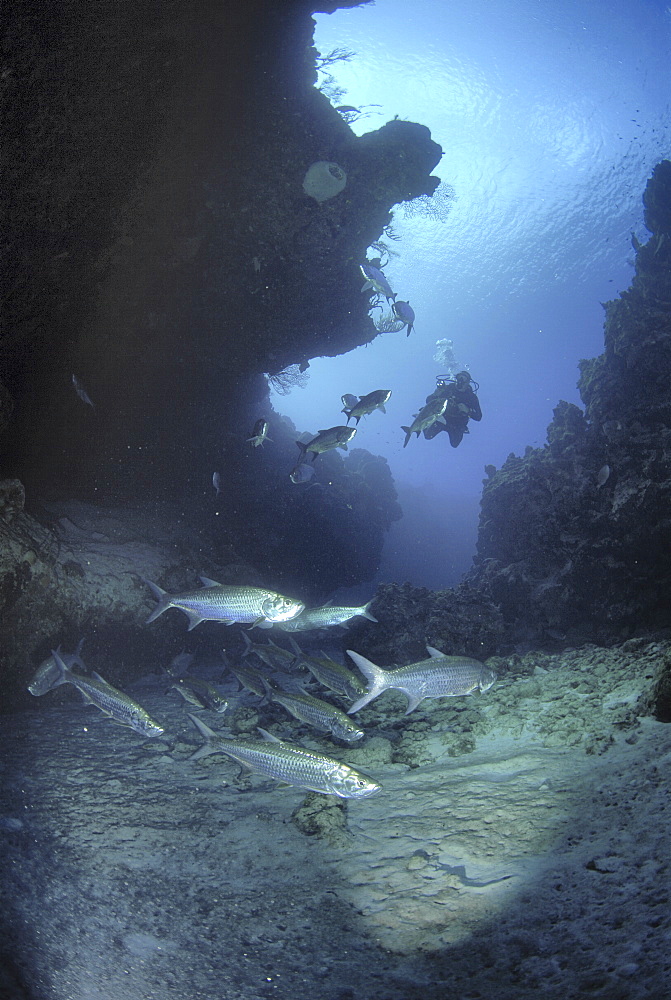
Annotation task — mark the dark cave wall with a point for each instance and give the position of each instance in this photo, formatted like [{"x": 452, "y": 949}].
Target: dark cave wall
[
  {"x": 564, "y": 551},
  {"x": 160, "y": 244}
]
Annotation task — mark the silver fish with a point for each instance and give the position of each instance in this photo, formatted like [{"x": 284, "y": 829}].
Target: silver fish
[
  {"x": 207, "y": 694},
  {"x": 259, "y": 433},
  {"x": 316, "y": 712},
  {"x": 438, "y": 677},
  {"x": 218, "y": 602},
  {"x": 290, "y": 764},
  {"x": 216, "y": 482},
  {"x": 48, "y": 673},
  {"x": 376, "y": 280},
  {"x": 428, "y": 415},
  {"x": 108, "y": 699},
  {"x": 332, "y": 674},
  {"x": 366, "y": 404},
  {"x": 270, "y": 653},
  {"x": 325, "y": 617},
  {"x": 404, "y": 312},
  {"x": 301, "y": 473},
  {"x": 81, "y": 392},
  {"x": 248, "y": 677},
  {"x": 332, "y": 437}
]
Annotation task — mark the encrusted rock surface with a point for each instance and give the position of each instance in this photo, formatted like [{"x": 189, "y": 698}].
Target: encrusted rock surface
[{"x": 574, "y": 537}]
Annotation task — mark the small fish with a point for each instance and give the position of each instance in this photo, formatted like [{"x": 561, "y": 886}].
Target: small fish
[
  {"x": 404, "y": 312},
  {"x": 302, "y": 473},
  {"x": 96, "y": 690},
  {"x": 269, "y": 653},
  {"x": 229, "y": 604},
  {"x": 260, "y": 433},
  {"x": 288, "y": 763},
  {"x": 326, "y": 616},
  {"x": 602, "y": 475},
  {"x": 248, "y": 677},
  {"x": 190, "y": 697},
  {"x": 366, "y": 404},
  {"x": 316, "y": 712},
  {"x": 216, "y": 482},
  {"x": 430, "y": 414},
  {"x": 207, "y": 694},
  {"x": 331, "y": 674},
  {"x": 179, "y": 664},
  {"x": 332, "y": 437},
  {"x": 438, "y": 677},
  {"x": 376, "y": 280},
  {"x": 48, "y": 673},
  {"x": 81, "y": 391}
]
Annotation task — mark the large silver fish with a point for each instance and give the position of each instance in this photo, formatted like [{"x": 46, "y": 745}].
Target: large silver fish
[
  {"x": 428, "y": 415},
  {"x": 376, "y": 280},
  {"x": 218, "y": 602},
  {"x": 316, "y": 712},
  {"x": 48, "y": 674},
  {"x": 332, "y": 437},
  {"x": 290, "y": 764},
  {"x": 364, "y": 405},
  {"x": 332, "y": 674},
  {"x": 108, "y": 699},
  {"x": 438, "y": 677},
  {"x": 325, "y": 616}
]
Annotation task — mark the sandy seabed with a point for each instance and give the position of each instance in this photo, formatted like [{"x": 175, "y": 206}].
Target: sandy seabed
[{"x": 519, "y": 848}]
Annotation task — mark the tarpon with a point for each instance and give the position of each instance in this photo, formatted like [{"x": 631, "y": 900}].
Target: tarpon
[
  {"x": 316, "y": 712},
  {"x": 331, "y": 674},
  {"x": 376, "y": 280},
  {"x": 428, "y": 415},
  {"x": 365, "y": 404},
  {"x": 332, "y": 437},
  {"x": 325, "y": 617},
  {"x": 438, "y": 677},
  {"x": 288, "y": 763},
  {"x": 404, "y": 312},
  {"x": 96, "y": 690},
  {"x": 48, "y": 674},
  {"x": 207, "y": 694},
  {"x": 218, "y": 602},
  {"x": 259, "y": 433}
]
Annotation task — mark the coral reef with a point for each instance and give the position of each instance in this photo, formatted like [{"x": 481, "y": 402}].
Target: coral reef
[{"x": 574, "y": 537}]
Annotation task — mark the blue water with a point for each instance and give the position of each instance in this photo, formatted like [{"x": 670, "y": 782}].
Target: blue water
[{"x": 551, "y": 117}]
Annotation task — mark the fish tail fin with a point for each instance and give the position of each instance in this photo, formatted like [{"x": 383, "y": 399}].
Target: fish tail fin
[
  {"x": 302, "y": 448},
  {"x": 376, "y": 676},
  {"x": 294, "y": 645},
  {"x": 348, "y": 411},
  {"x": 408, "y": 435},
  {"x": 248, "y": 643},
  {"x": 366, "y": 613},
  {"x": 208, "y": 734},
  {"x": 163, "y": 601},
  {"x": 63, "y": 672}
]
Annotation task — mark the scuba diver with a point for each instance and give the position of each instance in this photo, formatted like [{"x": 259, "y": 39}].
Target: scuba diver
[{"x": 462, "y": 404}]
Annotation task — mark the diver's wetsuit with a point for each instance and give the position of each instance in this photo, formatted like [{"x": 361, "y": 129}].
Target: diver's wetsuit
[{"x": 456, "y": 421}]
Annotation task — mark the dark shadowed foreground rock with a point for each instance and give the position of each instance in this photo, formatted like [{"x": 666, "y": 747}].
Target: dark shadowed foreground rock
[{"x": 574, "y": 537}]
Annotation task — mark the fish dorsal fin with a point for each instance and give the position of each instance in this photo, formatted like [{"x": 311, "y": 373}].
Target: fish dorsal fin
[
  {"x": 268, "y": 737},
  {"x": 102, "y": 680},
  {"x": 206, "y": 582},
  {"x": 433, "y": 652}
]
